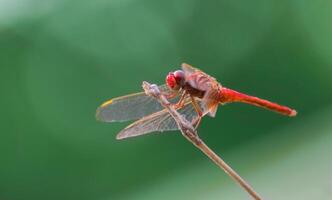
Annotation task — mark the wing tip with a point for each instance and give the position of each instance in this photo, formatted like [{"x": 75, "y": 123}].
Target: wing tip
[
  {"x": 99, "y": 116},
  {"x": 119, "y": 137},
  {"x": 109, "y": 102},
  {"x": 122, "y": 135}
]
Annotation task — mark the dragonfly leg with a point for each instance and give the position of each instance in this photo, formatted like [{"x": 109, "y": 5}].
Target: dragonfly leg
[
  {"x": 180, "y": 103},
  {"x": 170, "y": 95},
  {"x": 197, "y": 108}
]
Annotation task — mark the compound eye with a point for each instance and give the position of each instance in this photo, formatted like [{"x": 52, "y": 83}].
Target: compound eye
[
  {"x": 171, "y": 81},
  {"x": 179, "y": 76}
]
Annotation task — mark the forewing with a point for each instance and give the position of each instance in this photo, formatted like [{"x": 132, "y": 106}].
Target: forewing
[
  {"x": 130, "y": 107},
  {"x": 157, "y": 122}
]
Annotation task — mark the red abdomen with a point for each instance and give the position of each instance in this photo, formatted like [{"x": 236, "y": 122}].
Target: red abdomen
[{"x": 229, "y": 95}]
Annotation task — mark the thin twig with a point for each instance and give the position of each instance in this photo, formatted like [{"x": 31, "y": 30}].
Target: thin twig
[{"x": 190, "y": 134}]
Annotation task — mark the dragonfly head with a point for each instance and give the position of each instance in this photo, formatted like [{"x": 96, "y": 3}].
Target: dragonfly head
[{"x": 175, "y": 80}]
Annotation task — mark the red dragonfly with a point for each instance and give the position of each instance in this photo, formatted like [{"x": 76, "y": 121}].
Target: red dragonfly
[{"x": 194, "y": 94}]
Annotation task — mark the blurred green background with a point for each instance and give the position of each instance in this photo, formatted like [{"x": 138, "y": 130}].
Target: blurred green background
[{"x": 60, "y": 59}]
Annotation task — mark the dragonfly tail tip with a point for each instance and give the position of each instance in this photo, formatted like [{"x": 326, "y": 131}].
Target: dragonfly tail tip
[{"x": 293, "y": 113}]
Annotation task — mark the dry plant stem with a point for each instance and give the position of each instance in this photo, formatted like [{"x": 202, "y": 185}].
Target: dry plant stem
[{"x": 190, "y": 134}]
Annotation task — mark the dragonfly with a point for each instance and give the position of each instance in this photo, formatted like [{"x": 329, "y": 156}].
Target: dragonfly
[{"x": 192, "y": 92}]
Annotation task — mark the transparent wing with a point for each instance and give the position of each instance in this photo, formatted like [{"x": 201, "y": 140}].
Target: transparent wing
[
  {"x": 130, "y": 107},
  {"x": 157, "y": 122}
]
